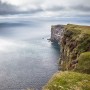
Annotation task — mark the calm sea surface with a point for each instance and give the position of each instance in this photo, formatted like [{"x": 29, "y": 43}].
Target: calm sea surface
[{"x": 27, "y": 58}]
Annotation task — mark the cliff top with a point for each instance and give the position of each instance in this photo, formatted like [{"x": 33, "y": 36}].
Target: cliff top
[
  {"x": 82, "y": 29},
  {"x": 68, "y": 81}
]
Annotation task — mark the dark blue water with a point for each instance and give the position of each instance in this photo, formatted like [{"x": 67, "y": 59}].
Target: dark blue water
[{"x": 27, "y": 59}]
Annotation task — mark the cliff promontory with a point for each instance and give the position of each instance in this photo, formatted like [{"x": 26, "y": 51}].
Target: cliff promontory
[{"x": 74, "y": 41}]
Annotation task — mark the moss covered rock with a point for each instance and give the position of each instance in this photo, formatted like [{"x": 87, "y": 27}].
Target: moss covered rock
[{"x": 84, "y": 63}]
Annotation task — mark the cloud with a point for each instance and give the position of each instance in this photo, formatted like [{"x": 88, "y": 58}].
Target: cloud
[
  {"x": 6, "y": 8},
  {"x": 55, "y": 8},
  {"x": 46, "y": 7},
  {"x": 81, "y": 8}
]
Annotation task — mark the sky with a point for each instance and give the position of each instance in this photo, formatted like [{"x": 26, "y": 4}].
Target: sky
[{"x": 46, "y": 8}]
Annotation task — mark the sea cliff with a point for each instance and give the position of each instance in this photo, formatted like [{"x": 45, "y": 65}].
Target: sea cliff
[
  {"x": 56, "y": 33},
  {"x": 74, "y": 41}
]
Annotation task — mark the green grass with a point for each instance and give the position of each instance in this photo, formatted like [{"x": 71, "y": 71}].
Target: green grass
[
  {"x": 84, "y": 46},
  {"x": 68, "y": 81},
  {"x": 82, "y": 29},
  {"x": 84, "y": 63}
]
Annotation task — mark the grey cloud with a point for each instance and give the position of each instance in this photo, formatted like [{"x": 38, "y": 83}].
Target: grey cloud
[
  {"x": 83, "y": 15},
  {"x": 56, "y": 8},
  {"x": 37, "y": 10},
  {"x": 41, "y": 9},
  {"x": 81, "y": 8},
  {"x": 71, "y": 9},
  {"x": 7, "y": 9}
]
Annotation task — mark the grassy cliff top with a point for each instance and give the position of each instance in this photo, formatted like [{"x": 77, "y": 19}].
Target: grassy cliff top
[
  {"x": 68, "y": 81},
  {"x": 82, "y": 29}
]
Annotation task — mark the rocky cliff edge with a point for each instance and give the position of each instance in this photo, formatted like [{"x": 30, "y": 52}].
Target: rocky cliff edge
[{"x": 74, "y": 41}]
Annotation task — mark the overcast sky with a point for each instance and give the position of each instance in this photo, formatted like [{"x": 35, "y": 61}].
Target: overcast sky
[{"x": 48, "y": 8}]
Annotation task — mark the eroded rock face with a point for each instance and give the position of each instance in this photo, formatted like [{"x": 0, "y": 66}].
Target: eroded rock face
[
  {"x": 73, "y": 41},
  {"x": 56, "y": 33},
  {"x": 75, "y": 56}
]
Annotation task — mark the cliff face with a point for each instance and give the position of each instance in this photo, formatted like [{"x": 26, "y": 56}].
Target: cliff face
[
  {"x": 74, "y": 40},
  {"x": 56, "y": 33}
]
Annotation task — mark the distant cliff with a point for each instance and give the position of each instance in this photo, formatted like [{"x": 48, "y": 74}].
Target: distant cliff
[{"x": 74, "y": 41}]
